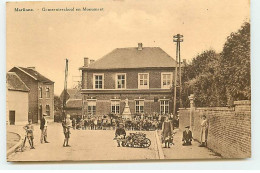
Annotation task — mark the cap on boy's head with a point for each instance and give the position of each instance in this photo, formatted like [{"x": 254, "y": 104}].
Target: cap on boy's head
[
  {"x": 44, "y": 114},
  {"x": 68, "y": 116},
  {"x": 187, "y": 127}
]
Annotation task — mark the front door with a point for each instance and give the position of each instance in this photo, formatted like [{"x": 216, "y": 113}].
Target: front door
[{"x": 12, "y": 117}]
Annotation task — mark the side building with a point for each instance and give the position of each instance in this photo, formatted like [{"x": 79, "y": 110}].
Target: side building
[
  {"x": 73, "y": 102},
  {"x": 143, "y": 75},
  {"x": 17, "y": 96},
  {"x": 41, "y": 95}
]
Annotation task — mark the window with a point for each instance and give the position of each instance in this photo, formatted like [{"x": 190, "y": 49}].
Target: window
[
  {"x": 143, "y": 80},
  {"x": 120, "y": 81},
  {"x": 98, "y": 81},
  {"x": 92, "y": 107},
  {"x": 48, "y": 111},
  {"x": 166, "y": 80},
  {"x": 115, "y": 106},
  {"x": 139, "y": 106},
  {"x": 40, "y": 92},
  {"x": 164, "y": 106},
  {"x": 47, "y": 92}
]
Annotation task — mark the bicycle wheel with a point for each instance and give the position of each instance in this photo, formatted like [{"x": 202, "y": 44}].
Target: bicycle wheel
[{"x": 146, "y": 143}]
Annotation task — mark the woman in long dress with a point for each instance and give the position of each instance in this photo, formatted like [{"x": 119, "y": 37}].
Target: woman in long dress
[
  {"x": 204, "y": 131},
  {"x": 167, "y": 132}
]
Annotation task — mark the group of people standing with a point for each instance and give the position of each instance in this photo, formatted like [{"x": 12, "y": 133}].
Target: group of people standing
[
  {"x": 29, "y": 128},
  {"x": 167, "y": 127},
  {"x": 138, "y": 122},
  {"x": 168, "y": 133}
]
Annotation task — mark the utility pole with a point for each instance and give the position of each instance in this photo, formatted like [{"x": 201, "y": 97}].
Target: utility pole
[
  {"x": 65, "y": 90},
  {"x": 177, "y": 38}
]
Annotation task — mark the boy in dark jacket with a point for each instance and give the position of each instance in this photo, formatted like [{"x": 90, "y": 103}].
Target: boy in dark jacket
[
  {"x": 187, "y": 136},
  {"x": 120, "y": 134}
]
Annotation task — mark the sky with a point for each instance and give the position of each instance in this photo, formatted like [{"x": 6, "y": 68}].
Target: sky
[{"x": 44, "y": 39}]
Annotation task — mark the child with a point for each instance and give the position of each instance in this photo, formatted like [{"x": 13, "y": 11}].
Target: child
[
  {"x": 120, "y": 134},
  {"x": 66, "y": 130},
  {"x": 187, "y": 136},
  {"x": 29, "y": 133}
]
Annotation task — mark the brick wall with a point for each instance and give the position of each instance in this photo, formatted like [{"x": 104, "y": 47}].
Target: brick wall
[
  {"x": 34, "y": 101},
  {"x": 131, "y": 78},
  {"x": 33, "y": 94},
  {"x": 229, "y": 128},
  {"x": 103, "y": 103}
]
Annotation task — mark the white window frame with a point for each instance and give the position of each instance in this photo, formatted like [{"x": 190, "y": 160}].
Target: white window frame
[
  {"x": 143, "y": 86},
  {"x": 95, "y": 104},
  {"x": 164, "y": 106},
  {"x": 49, "y": 91},
  {"x": 94, "y": 80},
  {"x": 139, "y": 110},
  {"x": 49, "y": 110},
  {"x": 115, "y": 102},
  {"x": 118, "y": 74},
  {"x": 40, "y": 92},
  {"x": 171, "y": 80}
]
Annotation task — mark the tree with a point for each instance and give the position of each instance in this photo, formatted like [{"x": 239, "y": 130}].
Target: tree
[
  {"x": 216, "y": 79},
  {"x": 235, "y": 64}
]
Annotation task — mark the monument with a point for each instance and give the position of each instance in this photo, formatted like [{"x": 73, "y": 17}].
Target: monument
[{"x": 126, "y": 113}]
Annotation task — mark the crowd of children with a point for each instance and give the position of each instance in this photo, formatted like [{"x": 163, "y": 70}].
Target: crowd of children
[{"x": 137, "y": 122}]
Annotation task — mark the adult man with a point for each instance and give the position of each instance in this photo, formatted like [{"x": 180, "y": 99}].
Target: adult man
[
  {"x": 187, "y": 136},
  {"x": 66, "y": 124},
  {"x": 43, "y": 127}
]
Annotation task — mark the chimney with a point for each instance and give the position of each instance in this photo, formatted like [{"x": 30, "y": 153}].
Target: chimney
[
  {"x": 32, "y": 68},
  {"x": 85, "y": 62},
  {"x": 140, "y": 46},
  {"x": 92, "y": 61}
]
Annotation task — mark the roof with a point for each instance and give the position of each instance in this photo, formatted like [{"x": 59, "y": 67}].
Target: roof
[
  {"x": 74, "y": 103},
  {"x": 13, "y": 82},
  {"x": 120, "y": 58},
  {"x": 72, "y": 94},
  {"x": 34, "y": 74}
]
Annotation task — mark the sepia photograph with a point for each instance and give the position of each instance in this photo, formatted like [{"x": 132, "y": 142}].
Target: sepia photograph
[{"x": 128, "y": 80}]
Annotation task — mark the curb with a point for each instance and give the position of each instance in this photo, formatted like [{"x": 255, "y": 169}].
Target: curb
[
  {"x": 13, "y": 149},
  {"x": 159, "y": 146}
]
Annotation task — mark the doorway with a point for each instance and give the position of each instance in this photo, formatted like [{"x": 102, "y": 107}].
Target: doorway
[{"x": 12, "y": 117}]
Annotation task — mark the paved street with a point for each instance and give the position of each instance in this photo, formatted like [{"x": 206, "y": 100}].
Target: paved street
[{"x": 86, "y": 145}]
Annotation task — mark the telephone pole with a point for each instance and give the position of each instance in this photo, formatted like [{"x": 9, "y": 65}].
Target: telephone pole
[
  {"x": 65, "y": 89},
  {"x": 177, "y": 38}
]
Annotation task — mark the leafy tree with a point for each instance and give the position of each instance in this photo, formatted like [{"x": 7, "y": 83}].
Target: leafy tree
[
  {"x": 216, "y": 79},
  {"x": 235, "y": 64}
]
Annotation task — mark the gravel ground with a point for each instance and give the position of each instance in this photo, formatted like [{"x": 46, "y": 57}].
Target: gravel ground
[
  {"x": 85, "y": 145},
  {"x": 177, "y": 151},
  {"x": 12, "y": 139}
]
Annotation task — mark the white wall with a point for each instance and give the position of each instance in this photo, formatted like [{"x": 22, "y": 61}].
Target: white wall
[{"x": 17, "y": 101}]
